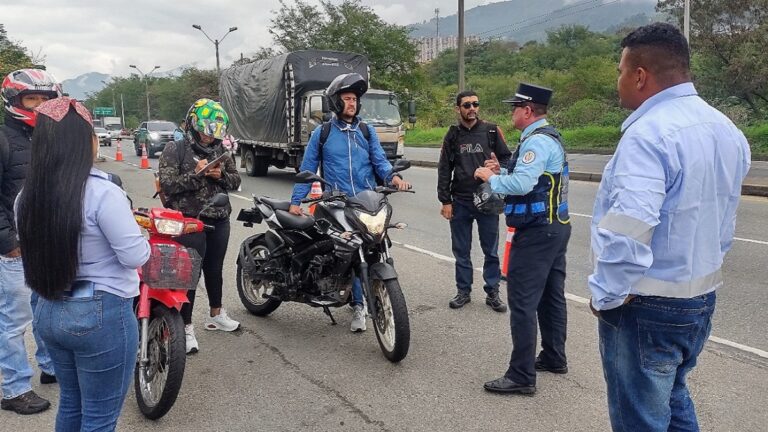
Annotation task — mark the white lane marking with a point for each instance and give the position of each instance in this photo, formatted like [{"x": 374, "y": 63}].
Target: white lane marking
[
  {"x": 241, "y": 197},
  {"x": 578, "y": 299},
  {"x": 746, "y": 240},
  {"x": 738, "y": 346}
]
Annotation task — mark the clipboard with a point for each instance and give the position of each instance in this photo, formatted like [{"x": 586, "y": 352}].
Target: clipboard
[{"x": 212, "y": 164}]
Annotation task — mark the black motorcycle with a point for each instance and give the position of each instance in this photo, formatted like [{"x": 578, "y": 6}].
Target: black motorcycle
[{"x": 314, "y": 259}]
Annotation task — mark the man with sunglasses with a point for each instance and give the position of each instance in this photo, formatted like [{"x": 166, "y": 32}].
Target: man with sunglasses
[
  {"x": 466, "y": 146},
  {"x": 535, "y": 183}
]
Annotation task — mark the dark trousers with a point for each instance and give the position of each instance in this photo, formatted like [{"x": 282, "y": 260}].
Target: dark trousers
[
  {"x": 212, "y": 247},
  {"x": 536, "y": 288},
  {"x": 464, "y": 213}
]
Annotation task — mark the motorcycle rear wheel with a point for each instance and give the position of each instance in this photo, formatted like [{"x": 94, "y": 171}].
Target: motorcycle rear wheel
[
  {"x": 252, "y": 292},
  {"x": 390, "y": 319},
  {"x": 158, "y": 386}
]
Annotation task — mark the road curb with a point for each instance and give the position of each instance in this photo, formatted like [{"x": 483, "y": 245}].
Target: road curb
[{"x": 747, "y": 189}]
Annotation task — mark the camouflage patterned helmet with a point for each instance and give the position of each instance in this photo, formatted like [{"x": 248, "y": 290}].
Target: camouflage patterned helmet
[{"x": 207, "y": 117}]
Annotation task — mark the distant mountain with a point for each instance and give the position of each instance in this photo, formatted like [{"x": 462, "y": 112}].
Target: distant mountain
[
  {"x": 84, "y": 84},
  {"x": 524, "y": 20}
]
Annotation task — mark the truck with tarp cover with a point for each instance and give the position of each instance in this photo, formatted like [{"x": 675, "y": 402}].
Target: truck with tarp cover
[{"x": 276, "y": 103}]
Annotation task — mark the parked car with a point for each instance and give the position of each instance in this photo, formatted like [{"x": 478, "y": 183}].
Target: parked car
[
  {"x": 154, "y": 135},
  {"x": 103, "y": 135}
]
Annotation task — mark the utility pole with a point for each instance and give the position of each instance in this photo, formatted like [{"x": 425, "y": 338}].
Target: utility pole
[
  {"x": 437, "y": 33},
  {"x": 146, "y": 83},
  {"x": 215, "y": 42},
  {"x": 122, "y": 109},
  {"x": 461, "y": 45},
  {"x": 687, "y": 21}
]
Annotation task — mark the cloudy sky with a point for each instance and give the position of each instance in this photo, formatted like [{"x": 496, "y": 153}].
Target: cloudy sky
[{"x": 80, "y": 36}]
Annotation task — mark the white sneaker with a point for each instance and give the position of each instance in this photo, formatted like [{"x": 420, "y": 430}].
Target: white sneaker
[
  {"x": 189, "y": 335},
  {"x": 358, "y": 319},
  {"x": 222, "y": 321}
]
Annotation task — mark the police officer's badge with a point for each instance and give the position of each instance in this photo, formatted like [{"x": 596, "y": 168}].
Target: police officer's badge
[{"x": 529, "y": 157}]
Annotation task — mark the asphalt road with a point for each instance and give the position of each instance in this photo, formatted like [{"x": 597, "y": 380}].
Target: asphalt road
[{"x": 294, "y": 371}]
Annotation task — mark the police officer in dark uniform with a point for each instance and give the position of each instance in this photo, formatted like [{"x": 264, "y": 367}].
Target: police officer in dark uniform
[
  {"x": 466, "y": 146},
  {"x": 535, "y": 183}
]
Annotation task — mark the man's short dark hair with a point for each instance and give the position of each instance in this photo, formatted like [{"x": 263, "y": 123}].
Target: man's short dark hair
[
  {"x": 462, "y": 95},
  {"x": 661, "y": 49},
  {"x": 538, "y": 109}
]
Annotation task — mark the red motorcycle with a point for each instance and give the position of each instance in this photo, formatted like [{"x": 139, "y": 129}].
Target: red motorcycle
[{"x": 171, "y": 270}]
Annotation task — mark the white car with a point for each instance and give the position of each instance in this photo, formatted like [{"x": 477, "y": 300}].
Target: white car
[{"x": 103, "y": 136}]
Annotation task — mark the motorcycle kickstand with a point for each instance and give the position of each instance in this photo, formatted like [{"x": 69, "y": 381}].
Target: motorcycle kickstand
[{"x": 327, "y": 311}]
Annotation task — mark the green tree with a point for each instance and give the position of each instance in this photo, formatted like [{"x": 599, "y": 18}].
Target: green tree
[
  {"x": 349, "y": 26},
  {"x": 727, "y": 42}
]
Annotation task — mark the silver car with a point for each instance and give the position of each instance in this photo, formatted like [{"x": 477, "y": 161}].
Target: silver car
[{"x": 103, "y": 135}]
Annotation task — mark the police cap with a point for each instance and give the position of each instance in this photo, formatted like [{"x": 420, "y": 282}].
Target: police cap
[{"x": 530, "y": 93}]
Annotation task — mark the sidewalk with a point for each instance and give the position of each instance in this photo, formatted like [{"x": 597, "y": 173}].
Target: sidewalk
[{"x": 589, "y": 167}]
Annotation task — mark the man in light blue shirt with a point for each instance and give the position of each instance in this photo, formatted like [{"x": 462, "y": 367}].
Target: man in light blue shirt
[
  {"x": 664, "y": 218},
  {"x": 535, "y": 183}
]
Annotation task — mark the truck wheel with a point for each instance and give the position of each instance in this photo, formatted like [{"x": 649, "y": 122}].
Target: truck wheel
[
  {"x": 256, "y": 166},
  {"x": 250, "y": 162}
]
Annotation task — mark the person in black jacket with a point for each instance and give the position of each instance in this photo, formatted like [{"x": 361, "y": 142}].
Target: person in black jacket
[
  {"x": 22, "y": 91},
  {"x": 466, "y": 146}
]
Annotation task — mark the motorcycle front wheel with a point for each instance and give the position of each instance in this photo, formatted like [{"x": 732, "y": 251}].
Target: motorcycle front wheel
[
  {"x": 390, "y": 319},
  {"x": 252, "y": 292},
  {"x": 158, "y": 385}
]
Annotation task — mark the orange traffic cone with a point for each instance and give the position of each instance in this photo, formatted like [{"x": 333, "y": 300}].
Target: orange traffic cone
[
  {"x": 119, "y": 153},
  {"x": 315, "y": 192},
  {"x": 507, "y": 250},
  {"x": 144, "y": 158}
]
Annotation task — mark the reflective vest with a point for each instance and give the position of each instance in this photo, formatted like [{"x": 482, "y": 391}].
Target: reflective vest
[{"x": 548, "y": 201}]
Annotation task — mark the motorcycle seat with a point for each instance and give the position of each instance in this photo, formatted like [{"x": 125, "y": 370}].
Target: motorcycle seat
[
  {"x": 291, "y": 221},
  {"x": 276, "y": 204}
]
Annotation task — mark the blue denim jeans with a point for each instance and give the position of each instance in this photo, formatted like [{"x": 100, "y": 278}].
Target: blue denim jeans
[
  {"x": 648, "y": 346},
  {"x": 93, "y": 342},
  {"x": 44, "y": 361},
  {"x": 15, "y": 316},
  {"x": 464, "y": 213}
]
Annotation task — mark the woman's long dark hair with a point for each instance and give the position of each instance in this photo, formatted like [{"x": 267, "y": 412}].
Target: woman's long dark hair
[{"x": 50, "y": 208}]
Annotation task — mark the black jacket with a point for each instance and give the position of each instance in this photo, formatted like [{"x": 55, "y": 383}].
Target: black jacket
[
  {"x": 14, "y": 162},
  {"x": 464, "y": 150}
]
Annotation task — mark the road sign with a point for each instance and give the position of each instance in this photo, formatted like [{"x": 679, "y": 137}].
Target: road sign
[{"x": 103, "y": 111}]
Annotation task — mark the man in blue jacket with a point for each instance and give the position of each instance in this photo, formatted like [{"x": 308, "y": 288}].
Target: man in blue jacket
[
  {"x": 664, "y": 218},
  {"x": 350, "y": 161}
]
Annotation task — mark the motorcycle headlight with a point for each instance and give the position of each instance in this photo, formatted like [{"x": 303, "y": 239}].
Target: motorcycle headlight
[
  {"x": 169, "y": 227},
  {"x": 154, "y": 135},
  {"x": 374, "y": 223}
]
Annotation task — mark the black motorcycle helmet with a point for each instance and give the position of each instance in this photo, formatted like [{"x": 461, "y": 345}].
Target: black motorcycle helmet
[
  {"x": 486, "y": 201},
  {"x": 351, "y": 82}
]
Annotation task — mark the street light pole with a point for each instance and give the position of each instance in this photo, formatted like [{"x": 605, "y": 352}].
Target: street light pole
[
  {"x": 687, "y": 21},
  {"x": 146, "y": 83},
  {"x": 461, "y": 45},
  {"x": 215, "y": 42}
]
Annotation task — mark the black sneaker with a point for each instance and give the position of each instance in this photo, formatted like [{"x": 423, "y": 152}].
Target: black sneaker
[
  {"x": 47, "y": 378},
  {"x": 495, "y": 302},
  {"x": 460, "y": 300},
  {"x": 27, "y": 403}
]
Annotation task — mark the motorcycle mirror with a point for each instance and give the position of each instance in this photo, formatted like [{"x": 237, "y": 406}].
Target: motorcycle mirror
[
  {"x": 401, "y": 165},
  {"x": 220, "y": 200},
  {"x": 308, "y": 177}
]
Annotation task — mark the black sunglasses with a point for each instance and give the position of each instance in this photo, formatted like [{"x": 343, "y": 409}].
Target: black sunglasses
[{"x": 466, "y": 105}]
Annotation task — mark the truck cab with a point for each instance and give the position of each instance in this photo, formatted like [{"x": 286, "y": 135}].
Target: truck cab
[{"x": 378, "y": 108}]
